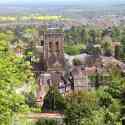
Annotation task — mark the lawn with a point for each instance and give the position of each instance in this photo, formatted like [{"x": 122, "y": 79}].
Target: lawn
[{"x": 73, "y": 49}]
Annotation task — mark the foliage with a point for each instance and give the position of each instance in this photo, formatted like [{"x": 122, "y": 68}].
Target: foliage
[
  {"x": 47, "y": 122},
  {"x": 73, "y": 49},
  {"x": 103, "y": 106},
  {"x": 53, "y": 101},
  {"x": 104, "y": 37},
  {"x": 78, "y": 106},
  {"x": 101, "y": 117},
  {"x": 14, "y": 72},
  {"x": 30, "y": 99},
  {"x": 92, "y": 109},
  {"x": 21, "y": 119},
  {"x": 77, "y": 35}
]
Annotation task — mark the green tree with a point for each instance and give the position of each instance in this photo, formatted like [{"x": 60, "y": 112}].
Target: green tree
[
  {"x": 93, "y": 35},
  {"x": 54, "y": 101},
  {"x": 47, "y": 122},
  {"x": 107, "y": 46},
  {"x": 30, "y": 99},
  {"x": 79, "y": 106},
  {"x": 14, "y": 72},
  {"x": 116, "y": 34},
  {"x": 84, "y": 35}
]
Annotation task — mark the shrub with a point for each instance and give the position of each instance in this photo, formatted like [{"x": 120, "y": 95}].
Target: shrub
[
  {"x": 73, "y": 49},
  {"x": 54, "y": 101},
  {"x": 46, "y": 122}
]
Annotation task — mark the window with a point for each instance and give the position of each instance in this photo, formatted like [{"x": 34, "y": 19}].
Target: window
[
  {"x": 50, "y": 45},
  {"x": 42, "y": 42},
  {"x": 57, "y": 45}
]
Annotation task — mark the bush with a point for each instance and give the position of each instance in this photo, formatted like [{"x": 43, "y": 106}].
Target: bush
[
  {"x": 73, "y": 49},
  {"x": 54, "y": 101},
  {"x": 30, "y": 100},
  {"x": 79, "y": 106},
  {"x": 46, "y": 122}
]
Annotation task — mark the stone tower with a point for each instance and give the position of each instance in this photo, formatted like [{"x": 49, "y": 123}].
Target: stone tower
[
  {"x": 52, "y": 58},
  {"x": 53, "y": 51}
]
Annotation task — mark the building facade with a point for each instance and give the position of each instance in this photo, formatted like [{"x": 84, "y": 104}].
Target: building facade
[{"x": 52, "y": 45}]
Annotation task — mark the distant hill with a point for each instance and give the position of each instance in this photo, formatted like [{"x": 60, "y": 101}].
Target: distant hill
[{"x": 69, "y": 8}]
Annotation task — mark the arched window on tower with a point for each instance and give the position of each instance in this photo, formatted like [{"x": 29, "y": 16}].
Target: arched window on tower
[
  {"x": 50, "y": 46},
  {"x": 57, "y": 46},
  {"x": 42, "y": 43}
]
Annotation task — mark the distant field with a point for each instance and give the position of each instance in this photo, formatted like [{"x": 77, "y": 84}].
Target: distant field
[{"x": 26, "y": 18}]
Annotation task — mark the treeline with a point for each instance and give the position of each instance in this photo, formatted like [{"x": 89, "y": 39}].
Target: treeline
[
  {"x": 88, "y": 37},
  {"x": 84, "y": 34}
]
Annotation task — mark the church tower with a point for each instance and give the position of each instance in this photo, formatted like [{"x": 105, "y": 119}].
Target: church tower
[
  {"x": 53, "y": 51},
  {"x": 52, "y": 59}
]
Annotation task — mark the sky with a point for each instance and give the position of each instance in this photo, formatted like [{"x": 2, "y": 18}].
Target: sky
[{"x": 62, "y": 1}]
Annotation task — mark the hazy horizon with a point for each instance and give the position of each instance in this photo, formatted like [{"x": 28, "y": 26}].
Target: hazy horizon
[
  {"x": 69, "y": 8},
  {"x": 65, "y": 2}
]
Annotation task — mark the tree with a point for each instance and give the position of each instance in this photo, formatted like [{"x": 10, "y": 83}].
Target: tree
[
  {"x": 92, "y": 34},
  {"x": 84, "y": 35},
  {"x": 79, "y": 106},
  {"x": 30, "y": 99},
  {"x": 116, "y": 33},
  {"x": 119, "y": 52},
  {"x": 14, "y": 72},
  {"x": 107, "y": 46},
  {"x": 54, "y": 101},
  {"x": 47, "y": 122}
]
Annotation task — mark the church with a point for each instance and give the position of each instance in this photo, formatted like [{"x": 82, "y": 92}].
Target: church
[
  {"x": 53, "y": 69},
  {"x": 52, "y": 61}
]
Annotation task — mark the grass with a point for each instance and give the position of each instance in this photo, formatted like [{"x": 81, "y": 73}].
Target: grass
[{"x": 73, "y": 49}]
